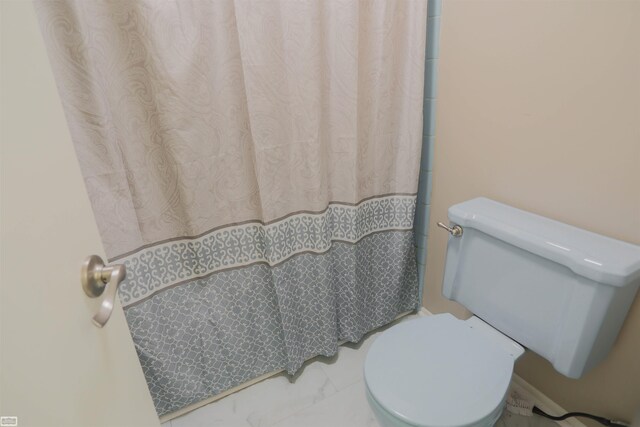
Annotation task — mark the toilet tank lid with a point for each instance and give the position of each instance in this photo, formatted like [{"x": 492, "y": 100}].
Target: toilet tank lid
[{"x": 588, "y": 254}]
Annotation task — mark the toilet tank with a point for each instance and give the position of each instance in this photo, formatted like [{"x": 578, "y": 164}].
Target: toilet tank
[{"x": 558, "y": 290}]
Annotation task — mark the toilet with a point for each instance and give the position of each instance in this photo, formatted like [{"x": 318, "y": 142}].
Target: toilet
[{"x": 529, "y": 281}]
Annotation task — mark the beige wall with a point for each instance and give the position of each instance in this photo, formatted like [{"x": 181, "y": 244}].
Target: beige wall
[{"x": 539, "y": 107}]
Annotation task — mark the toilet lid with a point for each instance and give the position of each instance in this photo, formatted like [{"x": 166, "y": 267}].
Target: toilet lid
[{"x": 437, "y": 371}]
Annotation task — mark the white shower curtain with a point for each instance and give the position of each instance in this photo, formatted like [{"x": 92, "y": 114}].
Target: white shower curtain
[{"x": 254, "y": 165}]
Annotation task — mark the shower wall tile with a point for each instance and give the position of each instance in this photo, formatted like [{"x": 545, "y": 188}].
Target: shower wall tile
[
  {"x": 434, "y": 8},
  {"x": 419, "y": 254},
  {"x": 426, "y": 161},
  {"x": 421, "y": 222},
  {"x": 429, "y": 187},
  {"x": 420, "y": 226},
  {"x": 424, "y": 188},
  {"x": 430, "y": 87},
  {"x": 421, "y": 271},
  {"x": 429, "y": 116},
  {"x": 427, "y": 214},
  {"x": 433, "y": 45},
  {"x": 421, "y": 198},
  {"x": 422, "y": 261},
  {"x": 422, "y": 245}
]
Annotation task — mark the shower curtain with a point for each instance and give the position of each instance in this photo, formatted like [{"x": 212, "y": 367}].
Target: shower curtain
[{"x": 254, "y": 164}]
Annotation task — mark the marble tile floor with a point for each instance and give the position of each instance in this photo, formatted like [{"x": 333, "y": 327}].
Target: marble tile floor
[{"x": 328, "y": 392}]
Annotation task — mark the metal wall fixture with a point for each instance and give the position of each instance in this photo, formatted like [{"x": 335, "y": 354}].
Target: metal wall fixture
[
  {"x": 456, "y": 230},
  {"x": 96, "y": 278}
]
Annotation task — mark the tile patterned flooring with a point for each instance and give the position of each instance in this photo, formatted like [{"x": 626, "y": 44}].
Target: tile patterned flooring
[{"x": 328, "y": 392}]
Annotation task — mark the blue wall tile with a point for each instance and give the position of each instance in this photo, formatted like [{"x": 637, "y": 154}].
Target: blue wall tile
[
  {"x": 433, "y": 43},
  {"x": 421, "y": 222},
  {"x": 420, "y": 225},
  {"x": 421, "y": 268},
  {"x": 430, "y": 78},
  {"x": 429, "y": 117},
  {"x": 426, "y": 161},
  {"x": 419, "y": 196},
  {"x": 422, "y": 191},
  {"x": 434, "y": 8}
]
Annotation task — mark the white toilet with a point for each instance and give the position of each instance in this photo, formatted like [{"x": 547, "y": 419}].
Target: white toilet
[{"x": 560, "y": 291}]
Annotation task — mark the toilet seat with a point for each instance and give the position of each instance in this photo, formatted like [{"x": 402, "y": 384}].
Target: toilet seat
[{"x": 440, "y": 371}]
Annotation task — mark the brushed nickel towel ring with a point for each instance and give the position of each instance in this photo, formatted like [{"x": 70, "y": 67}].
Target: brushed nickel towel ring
[{"x": 96, "y": 278}]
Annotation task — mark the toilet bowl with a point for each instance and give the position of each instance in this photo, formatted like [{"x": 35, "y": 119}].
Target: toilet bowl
[{"x": 439, "y": 371}]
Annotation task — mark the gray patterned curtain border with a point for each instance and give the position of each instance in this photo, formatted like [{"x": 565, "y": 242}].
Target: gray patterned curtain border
[{"x": 175, "y": 262}]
